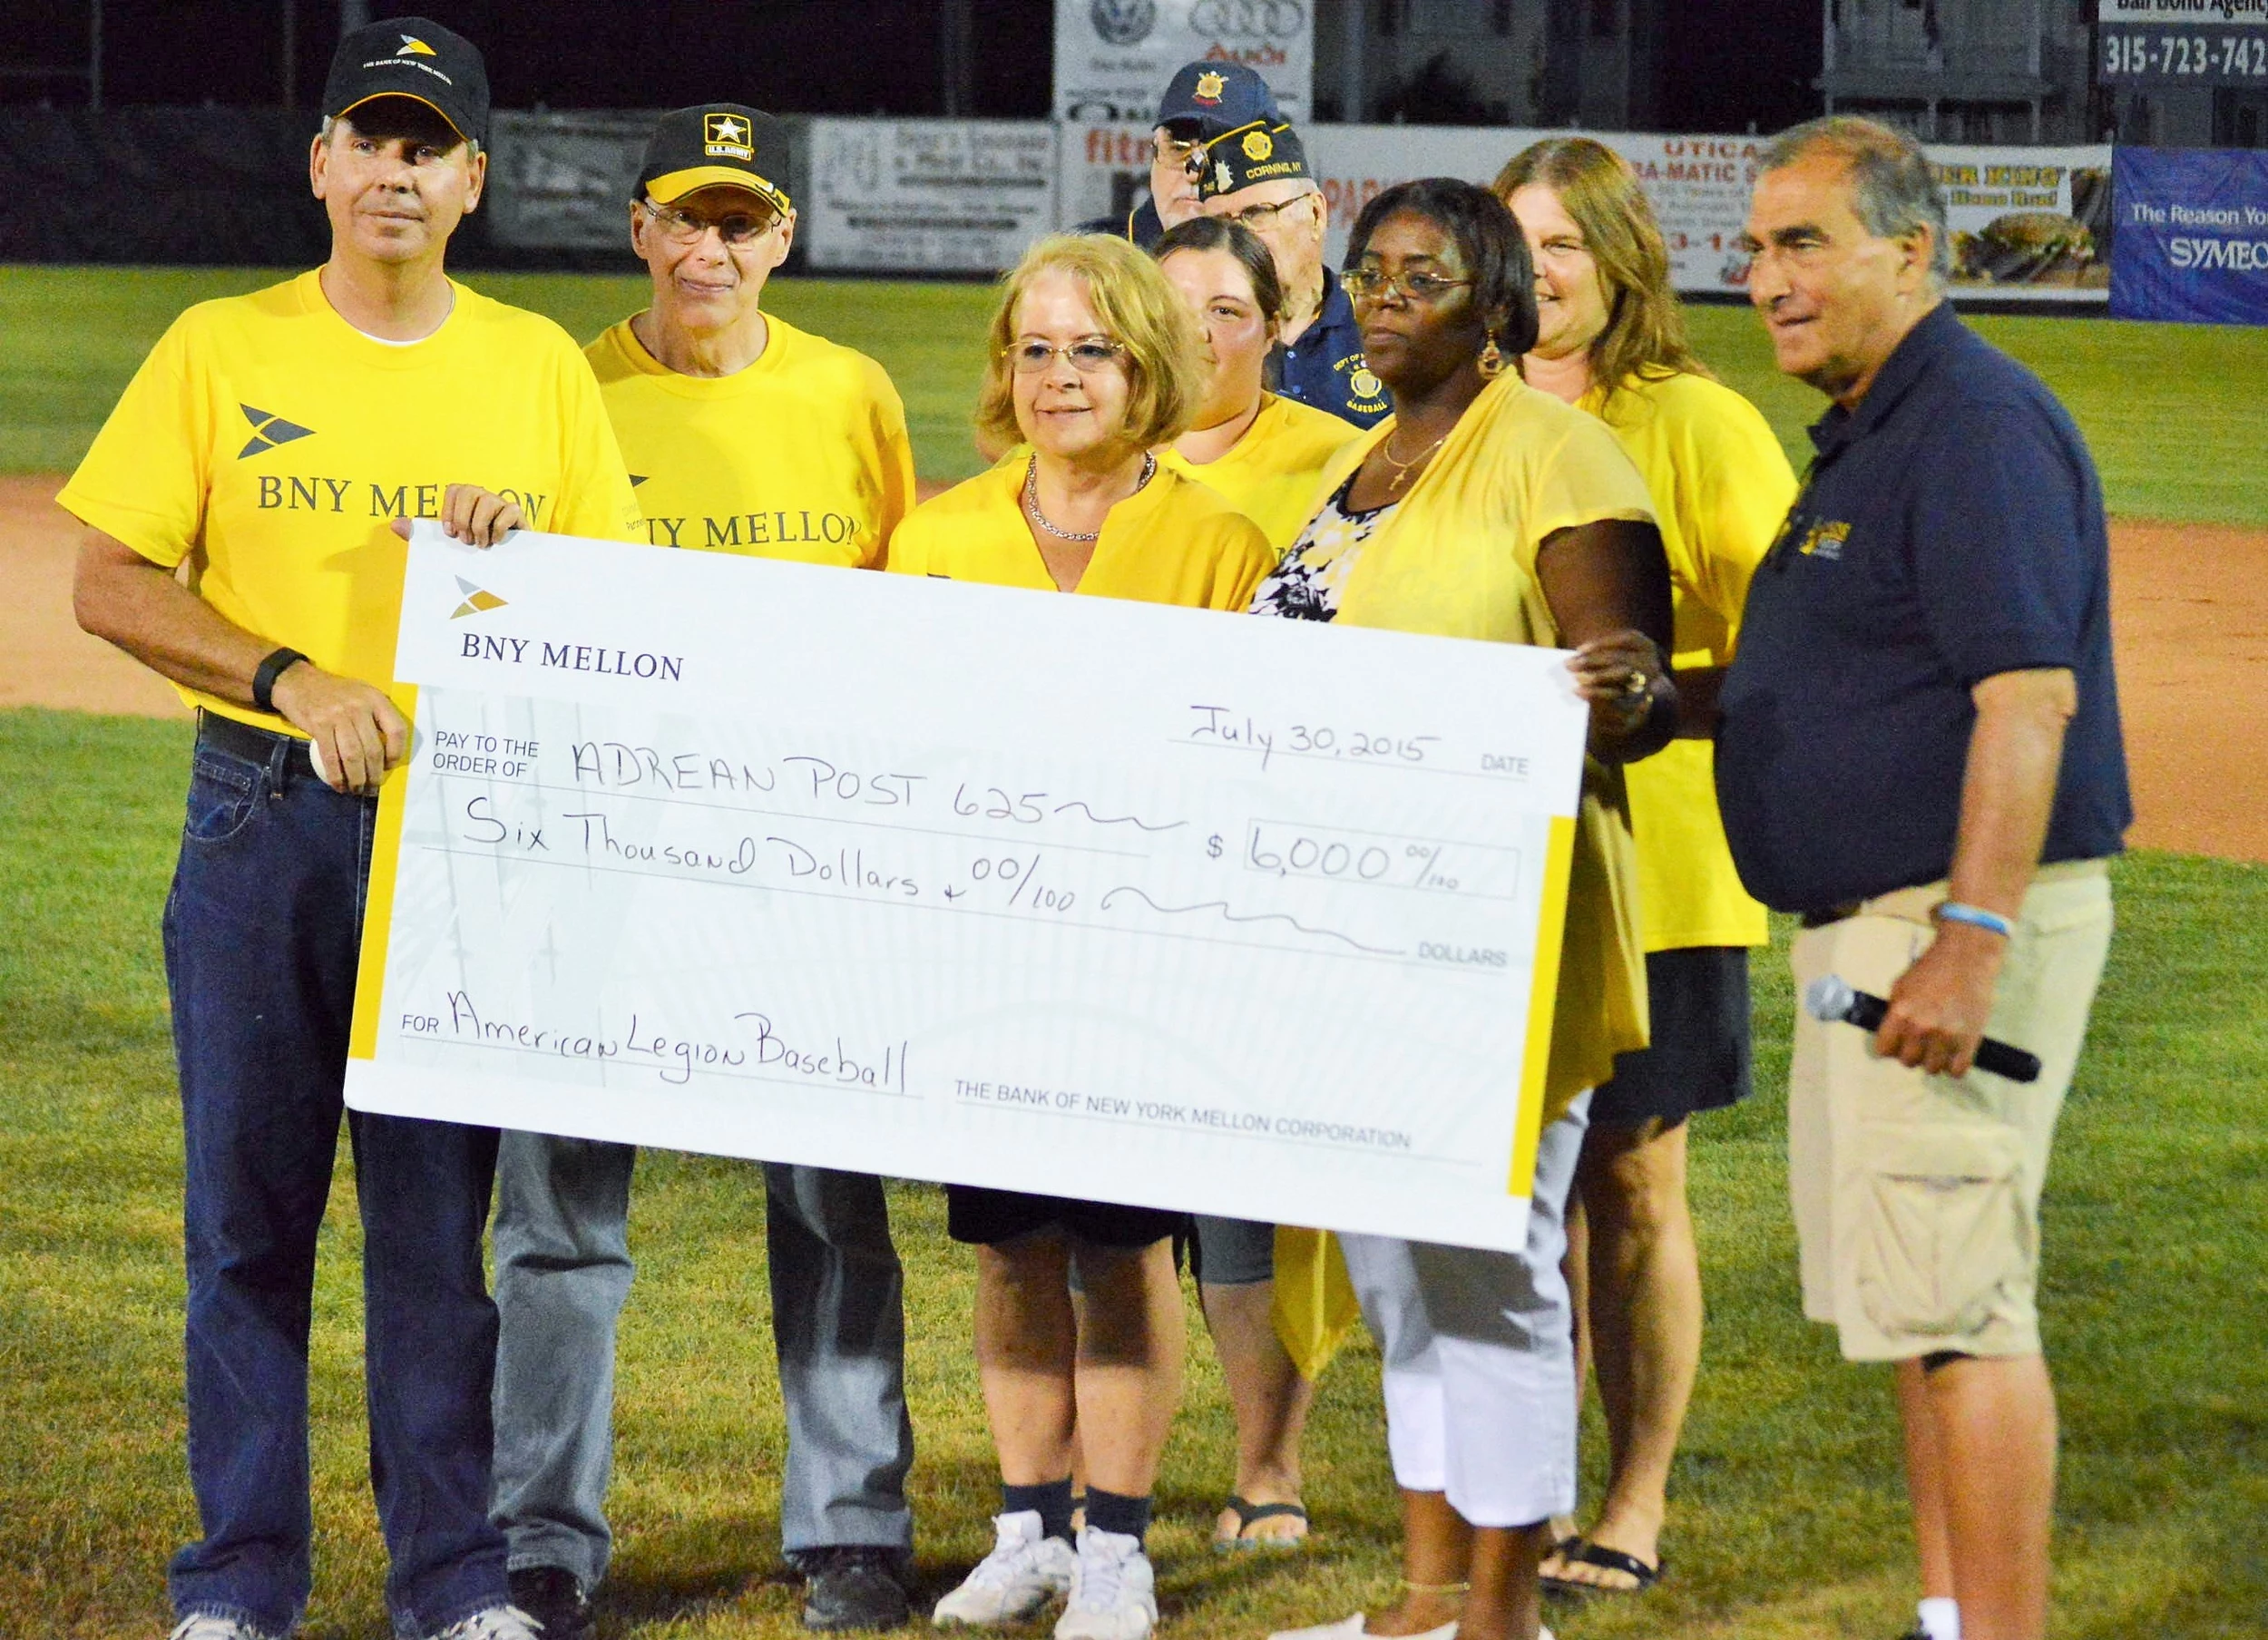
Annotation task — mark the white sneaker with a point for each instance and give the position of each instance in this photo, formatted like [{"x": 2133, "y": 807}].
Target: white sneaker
[
  {"x": 1351, "y": 1629},
  {"x": 204, "y": 1627},
  {"x": 1026, "y": 1569},
  {"x": 1113, "y": 1590},
  {"x": 496, "y": 1623}
]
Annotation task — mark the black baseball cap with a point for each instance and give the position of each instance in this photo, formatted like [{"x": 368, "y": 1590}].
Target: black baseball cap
[
  {"x": 1262, "y": 152},
  {"x": 412, "y": 57},
  {"x": 712, "y": 145},
  {"x": 1215, "y": 97}
]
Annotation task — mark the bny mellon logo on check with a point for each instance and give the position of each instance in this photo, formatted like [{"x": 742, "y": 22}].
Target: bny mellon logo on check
[
  {"x": 477, "y": 601},
  {"x": 268, "y": 430}
]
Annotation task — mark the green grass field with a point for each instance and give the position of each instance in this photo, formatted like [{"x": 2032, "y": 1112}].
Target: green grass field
[
  {"x": 1787, "y": 1516},
  {"x": 2173, "y": 412}
]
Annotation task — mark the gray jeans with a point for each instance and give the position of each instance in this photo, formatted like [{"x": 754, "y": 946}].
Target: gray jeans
[{"x": 839, "y": 1323}]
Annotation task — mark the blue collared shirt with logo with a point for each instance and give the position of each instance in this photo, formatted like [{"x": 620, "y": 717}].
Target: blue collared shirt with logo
[
  {"x": 1323, "y": 367},
  {"x": 1950, "y": 529}
]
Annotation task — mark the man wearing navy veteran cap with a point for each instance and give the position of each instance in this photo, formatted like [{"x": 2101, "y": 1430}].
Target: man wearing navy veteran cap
[
  {"x": 1202, "y": 101},
  {"x": 745, "y": 435},
  {"x": 278, "y": 438},
  {"x": 1257, "y": 174}
]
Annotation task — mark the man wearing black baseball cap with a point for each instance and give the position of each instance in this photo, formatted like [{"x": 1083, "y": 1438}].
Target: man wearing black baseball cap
[
  {"x": 280, "y": 436},
  {"x": 753, "y": 436},
  {"x": 1257, "y": 174},
  {"x": 1202, "y": 101}
]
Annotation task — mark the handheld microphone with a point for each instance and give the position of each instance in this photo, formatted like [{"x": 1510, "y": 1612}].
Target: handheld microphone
[{"x": 1830, "y": 998}]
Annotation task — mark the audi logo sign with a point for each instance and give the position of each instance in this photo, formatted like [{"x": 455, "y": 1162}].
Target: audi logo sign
[
  {"x": 1113, "y": 57},
  {"x": 1250, "y": 19}
]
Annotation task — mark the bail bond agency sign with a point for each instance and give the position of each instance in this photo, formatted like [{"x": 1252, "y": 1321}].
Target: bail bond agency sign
[
  {"x": 2183, "y": 42},
  {"x": 1113, "y": 57}
]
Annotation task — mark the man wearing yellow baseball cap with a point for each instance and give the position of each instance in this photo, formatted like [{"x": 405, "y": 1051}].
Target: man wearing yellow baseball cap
[{"x": 748, "y": 434}]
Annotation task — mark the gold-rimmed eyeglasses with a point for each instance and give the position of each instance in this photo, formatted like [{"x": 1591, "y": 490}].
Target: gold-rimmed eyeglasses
[
  {"x": 1088, "y": 354},
  {"x": 737, "y": 229},
  {"x": 1372, "y": 284}
]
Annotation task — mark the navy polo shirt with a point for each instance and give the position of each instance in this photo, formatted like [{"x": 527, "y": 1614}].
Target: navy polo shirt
[
  {"x": 1951, "y": 528},
  {"x": 1323, "y": 367}
]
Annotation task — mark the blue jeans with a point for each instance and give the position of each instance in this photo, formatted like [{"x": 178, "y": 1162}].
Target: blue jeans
[
  {"x": 839, "y": 1323},
  {"x": 262, "y": 931}
]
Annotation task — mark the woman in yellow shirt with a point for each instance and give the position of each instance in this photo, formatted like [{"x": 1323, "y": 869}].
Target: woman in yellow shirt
[
  {"x": 1486, "y": 510},
  {"x": 1263, "y": 454},
  {"x": 1612, "y": 341},
  {"x": 1095, "y": 361},
  {"x": 1260, "y": 452}
]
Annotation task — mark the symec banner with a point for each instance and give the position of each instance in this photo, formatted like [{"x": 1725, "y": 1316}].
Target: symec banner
[{"x": 2192, "y": 245}]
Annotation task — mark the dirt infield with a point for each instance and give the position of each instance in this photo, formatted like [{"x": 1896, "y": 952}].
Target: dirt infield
[{"x": 2191, "y": 608}]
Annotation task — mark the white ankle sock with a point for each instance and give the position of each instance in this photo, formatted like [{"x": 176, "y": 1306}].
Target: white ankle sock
[{"x": 1941, "y": 1617}]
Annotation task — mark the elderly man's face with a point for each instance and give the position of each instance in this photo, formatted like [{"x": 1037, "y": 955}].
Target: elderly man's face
[
  {"x": 1836, "y": 298},
  {"x": 1289, "y": 216},
  {"x": 1172, "y": 190}
]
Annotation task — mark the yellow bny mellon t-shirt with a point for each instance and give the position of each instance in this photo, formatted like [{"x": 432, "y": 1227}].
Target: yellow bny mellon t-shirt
[
  {"x": 276, "y": 444},
  {"x": 1171, "y": 542},
  {"x": 1270, "y": 473},
  {"x": 804, "y": 454},
  {"x": 1721, "y": 486}
]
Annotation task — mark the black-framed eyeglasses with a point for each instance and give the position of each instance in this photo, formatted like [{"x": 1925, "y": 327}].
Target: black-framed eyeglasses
[
  {"x": 1258, "y": 216},
  {"x": 1088, "y": 354},
  {"x": 1372, "y": 284},
  {"x": 738, "y": 229}
]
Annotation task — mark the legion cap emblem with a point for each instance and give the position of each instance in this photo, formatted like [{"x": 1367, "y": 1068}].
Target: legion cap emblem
[
  {"x": 1258, "y": 145},
  {"x": 1209, "y": 87}
]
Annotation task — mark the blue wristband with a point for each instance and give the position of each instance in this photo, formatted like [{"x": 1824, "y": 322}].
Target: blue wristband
[{"x": 1975, "y": 916}]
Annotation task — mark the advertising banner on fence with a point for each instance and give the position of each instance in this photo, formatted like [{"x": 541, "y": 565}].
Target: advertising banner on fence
[
  {"x": 2183, "y": 42},
  {"x": 931, "y": 196},
  {"x": 2029, "y": 224},
  {"x": 2193, "y": 236},
  {"x": 562, "y": 181},
  {"x": 1112, "y": 57}
]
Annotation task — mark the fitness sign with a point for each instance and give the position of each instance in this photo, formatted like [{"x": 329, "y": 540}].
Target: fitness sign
[{"x": 1113, "y": 56}]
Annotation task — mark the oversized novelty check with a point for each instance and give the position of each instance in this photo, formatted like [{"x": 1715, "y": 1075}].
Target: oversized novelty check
[{"x": 949, "y": 882}]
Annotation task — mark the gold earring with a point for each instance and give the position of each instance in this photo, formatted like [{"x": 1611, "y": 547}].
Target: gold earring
[{"x": 1491, "y": 359}]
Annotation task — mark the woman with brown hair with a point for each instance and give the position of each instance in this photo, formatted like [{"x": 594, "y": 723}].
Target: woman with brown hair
[
  {"x": 1611, "y": 339},
  {"x": 1095, "y": 360}
]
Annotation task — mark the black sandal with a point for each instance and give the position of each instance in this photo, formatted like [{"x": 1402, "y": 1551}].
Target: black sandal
[
  {"x": 1249, "y": 1515},
  {"x": 1587, "y": 1553}
]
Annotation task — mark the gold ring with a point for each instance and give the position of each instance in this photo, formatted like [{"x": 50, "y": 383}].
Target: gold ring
[{"x": 1638, "y": 683}]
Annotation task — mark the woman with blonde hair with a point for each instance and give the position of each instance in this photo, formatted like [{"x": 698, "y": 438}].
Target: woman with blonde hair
[
  {"x": 1094, "y": 361},
  {"x": 1611, "y": 339}
]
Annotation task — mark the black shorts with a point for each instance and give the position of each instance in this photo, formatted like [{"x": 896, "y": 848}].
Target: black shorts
[
  {"x": 1701, "y": 1052},
  {"x": 975, "y": 1214}
]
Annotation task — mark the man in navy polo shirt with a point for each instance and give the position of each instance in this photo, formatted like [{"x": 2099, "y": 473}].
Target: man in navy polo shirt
[
  {"x": 1257, "y": 175},
  {"x": 1920, "y": 752}
]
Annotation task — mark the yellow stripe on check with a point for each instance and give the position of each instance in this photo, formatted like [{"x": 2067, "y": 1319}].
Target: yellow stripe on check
[
  {"x": 377, "y": 911},
  {"x": 1543, "y": 997}
]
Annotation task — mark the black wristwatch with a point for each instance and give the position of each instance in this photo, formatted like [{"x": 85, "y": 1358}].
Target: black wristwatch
[{"x": 278, "y": 662}]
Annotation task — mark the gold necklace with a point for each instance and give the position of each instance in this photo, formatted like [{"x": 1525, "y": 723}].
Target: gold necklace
[{"x": 1401, "y": 468}]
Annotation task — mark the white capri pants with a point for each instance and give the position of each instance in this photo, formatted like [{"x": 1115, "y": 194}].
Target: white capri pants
[{"x": 1478, "y": 1354}]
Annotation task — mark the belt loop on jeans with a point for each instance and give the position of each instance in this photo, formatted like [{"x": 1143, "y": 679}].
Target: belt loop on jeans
[{"x": 285, "y": 757}]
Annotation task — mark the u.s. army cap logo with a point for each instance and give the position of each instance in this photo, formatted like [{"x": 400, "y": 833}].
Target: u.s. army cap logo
[{"x": 726, "y": 136}]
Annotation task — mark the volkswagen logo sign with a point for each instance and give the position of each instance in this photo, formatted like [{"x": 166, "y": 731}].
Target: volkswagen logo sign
[{"x": 1123, "y": 22}]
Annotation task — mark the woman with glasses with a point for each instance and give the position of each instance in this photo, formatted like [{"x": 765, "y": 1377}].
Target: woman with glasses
[
  {"x": 1483, "y": 509},
  {"x": 1612, "y": 340},
  {"x": 1095, "y": 361},
  {"x": 1262, "y": 453}
]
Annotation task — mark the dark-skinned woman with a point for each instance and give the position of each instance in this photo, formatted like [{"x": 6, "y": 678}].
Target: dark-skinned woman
[{"x": 1483, "y": 509}]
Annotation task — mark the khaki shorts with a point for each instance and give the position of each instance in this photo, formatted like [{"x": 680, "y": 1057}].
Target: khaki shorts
[{"x": 1917, "y": 1196}]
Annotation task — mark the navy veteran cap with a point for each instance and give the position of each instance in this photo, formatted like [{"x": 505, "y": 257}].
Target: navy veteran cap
[
  {"x": 716, "y": 145},
  {"x": 412, "y": 57},
  {"x": 1262, "y": 152},
  {"x": 1218, "y": 96}
]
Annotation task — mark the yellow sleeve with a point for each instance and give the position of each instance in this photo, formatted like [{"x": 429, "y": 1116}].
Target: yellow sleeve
[
  {"x": 145, "y": 479},
  {"x": 908, "y": 552},
  {"x": 1581, "y": 477},
  {"x": 893, "y": 461},
  {"x": 1244, "y": 559},
  {"x": 1735, "y": 487},
  {"x": 595, "y": 497}
]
